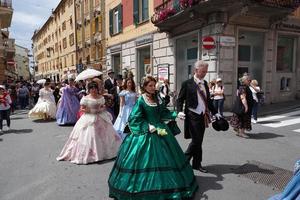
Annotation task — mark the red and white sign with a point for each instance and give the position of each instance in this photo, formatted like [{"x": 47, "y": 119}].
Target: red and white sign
[
  {"x": 208, "y": 43},
  {"x": 10, "y": 62}
]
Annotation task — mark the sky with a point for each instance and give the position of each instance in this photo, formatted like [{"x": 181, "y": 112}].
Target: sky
[{"x": 29, "y": 15}]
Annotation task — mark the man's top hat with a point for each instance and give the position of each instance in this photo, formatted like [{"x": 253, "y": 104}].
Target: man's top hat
[
  {"x": 220, "y": 124},
  {"x": 110, "y": 71}
]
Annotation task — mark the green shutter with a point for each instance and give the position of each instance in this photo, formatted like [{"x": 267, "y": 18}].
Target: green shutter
[
  {"x": 120, "y": 9},
  {"x": 136, "y": 11},
  {"x": 111, "y": 22},
  {"x": 146, "y": 10}
]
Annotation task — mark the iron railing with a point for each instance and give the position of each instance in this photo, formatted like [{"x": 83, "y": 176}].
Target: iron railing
[
  {"x": 171, "y": 7},
  {"x": 6, "y": 3},
  {"x": 280, "y": 3}
]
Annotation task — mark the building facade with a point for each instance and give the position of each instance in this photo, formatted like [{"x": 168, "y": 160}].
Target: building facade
[
  {"x": 234, "y": 37},
  {"x": 90, "y": 39},
  {"x": 22, "y": 63},
  {"x": 54, "y": 48},
  {"x": 7, "y": 45},
  {"x": 133, "y": 43}
]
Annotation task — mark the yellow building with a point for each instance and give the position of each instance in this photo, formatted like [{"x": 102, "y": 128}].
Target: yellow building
[
  {"x": 133, "y": 43},
  {"x": 7, "y": 48},
  {"x": 54, "y": 47},
  {"x": 89, "y": 37}
]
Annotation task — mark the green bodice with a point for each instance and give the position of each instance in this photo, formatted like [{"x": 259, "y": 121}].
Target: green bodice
[{"x": 144, "y": 113}]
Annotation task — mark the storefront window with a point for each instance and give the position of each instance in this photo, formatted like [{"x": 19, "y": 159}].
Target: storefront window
[{"x": 285, "y": 54}]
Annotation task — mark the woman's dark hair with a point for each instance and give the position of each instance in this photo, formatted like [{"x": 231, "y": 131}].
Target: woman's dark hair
[
  {"x": 46, "y": 83},
  {"x": 145, "y": 81},
  {"x": 92, "y": 84},
  {"x": 125, "y": 84}
]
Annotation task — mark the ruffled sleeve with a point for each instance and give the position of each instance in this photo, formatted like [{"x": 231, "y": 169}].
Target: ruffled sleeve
[
  {"x": 166, "y": 114},
  {"x": 83, "y": 101},
  {"x": 137, "y": 121},
  {"x": 122, "y": 93}
]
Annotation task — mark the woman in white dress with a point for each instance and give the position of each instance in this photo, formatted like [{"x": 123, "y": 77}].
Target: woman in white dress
[
  {"x": 93, "y": 137},
  {"x": 45, "y": 108}
]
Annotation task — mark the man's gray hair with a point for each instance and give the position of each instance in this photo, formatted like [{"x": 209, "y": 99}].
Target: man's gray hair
[{"x": 200, "y": 63}]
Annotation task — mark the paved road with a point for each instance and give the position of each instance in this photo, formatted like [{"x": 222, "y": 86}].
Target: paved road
[{"x": 29, "y": 171}]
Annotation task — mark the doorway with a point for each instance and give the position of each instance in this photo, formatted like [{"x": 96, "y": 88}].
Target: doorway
[
  {"x": 186, "y": 56},
  {"x": 251, "y": 54},
  {"x": 144, "y": 65},
  {"x": 116, "y": 63}
]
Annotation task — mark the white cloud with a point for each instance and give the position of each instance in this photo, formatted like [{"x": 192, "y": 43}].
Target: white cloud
[{"x": 27, "y": 19}]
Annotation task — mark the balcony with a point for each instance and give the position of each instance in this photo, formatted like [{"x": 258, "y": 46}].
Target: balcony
[
  {"x": 6, "y": 12},
  {"x": 180, "y": 16}
]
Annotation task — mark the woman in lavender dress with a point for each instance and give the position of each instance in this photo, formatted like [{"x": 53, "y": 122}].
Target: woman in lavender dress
[
  {"x": 68, "y": 106},
  {"x": 128, "y": 97}
]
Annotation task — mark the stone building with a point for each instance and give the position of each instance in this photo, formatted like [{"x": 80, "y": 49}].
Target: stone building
[
  {"x": 54, "y": 48},
  {"x": 22, "y": 63},
  {"x": 7, "y": 45},
  {"x": 90, "y": 39},
  {"x": 133, "y": 43},
  {"x": 260, "y": 37}
]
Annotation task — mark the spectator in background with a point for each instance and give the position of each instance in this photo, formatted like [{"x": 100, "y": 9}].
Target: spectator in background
[
  {"x": 110, "y": 82},
  {"x": 23, "y": 94},
  {"x": 164, "y": 91},
  {"x": 254, "y": 89},
  {"x": 115, "y": 91},
  {"x": 218, "y": 96},
  {"x": 5, "y": 102}
]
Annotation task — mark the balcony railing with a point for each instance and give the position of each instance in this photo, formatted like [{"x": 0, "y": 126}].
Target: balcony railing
[
  {"x": 6, "y": 3},
  {"x": 280, "y": 3},
  {"x": 171, "y": 7}
]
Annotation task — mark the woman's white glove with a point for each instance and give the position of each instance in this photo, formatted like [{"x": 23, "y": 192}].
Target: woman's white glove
[
  {"x": 151, "y": 128},
  {"x": 181, "y": 115}
]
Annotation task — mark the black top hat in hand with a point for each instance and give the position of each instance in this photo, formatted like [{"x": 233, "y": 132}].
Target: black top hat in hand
[{"x": 220, "y": 124}]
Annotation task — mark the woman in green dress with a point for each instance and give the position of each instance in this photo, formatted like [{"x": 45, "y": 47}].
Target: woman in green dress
[{"x": 150, "y": 163}]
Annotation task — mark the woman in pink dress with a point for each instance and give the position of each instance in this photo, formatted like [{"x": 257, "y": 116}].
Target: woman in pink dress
[{"x": 93, "y": 137}]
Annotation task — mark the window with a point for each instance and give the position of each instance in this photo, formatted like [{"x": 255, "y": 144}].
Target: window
[
  {"x": 115, "y": 20},
  {"x": 285, "y": 54},
  {"x": 71, "y": 39},
  {"x": 140, "y": 11},
  {"x": 244, "y": 53},
  {"x": 65, "y": 43},
  {"x": 64, "y": 26}
]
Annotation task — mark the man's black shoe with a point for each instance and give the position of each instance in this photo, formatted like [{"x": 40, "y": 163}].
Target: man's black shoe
[{"x": 201, "y": 169}]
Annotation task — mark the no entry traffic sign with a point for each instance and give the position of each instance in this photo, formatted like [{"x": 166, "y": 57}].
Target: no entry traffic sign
[{"x": 208, "y": 43}]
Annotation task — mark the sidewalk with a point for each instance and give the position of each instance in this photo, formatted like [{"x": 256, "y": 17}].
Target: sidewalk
[{"x": 275, "y": 108}]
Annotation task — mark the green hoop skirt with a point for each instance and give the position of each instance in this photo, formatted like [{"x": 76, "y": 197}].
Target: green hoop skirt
[{"x": 151, "y": 167}]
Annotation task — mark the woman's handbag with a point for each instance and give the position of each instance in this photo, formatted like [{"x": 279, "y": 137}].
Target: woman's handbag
[{"x": 238, "y": 107}]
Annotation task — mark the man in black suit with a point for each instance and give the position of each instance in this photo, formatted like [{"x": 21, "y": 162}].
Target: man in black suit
[
  {"x": 110, "y": 82},
  {"x": 195, "y": 95},
  {"x": 115, "y": 91}
]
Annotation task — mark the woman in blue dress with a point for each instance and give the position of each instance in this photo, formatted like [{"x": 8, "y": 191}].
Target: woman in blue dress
[{"x": 128, "y": 97}]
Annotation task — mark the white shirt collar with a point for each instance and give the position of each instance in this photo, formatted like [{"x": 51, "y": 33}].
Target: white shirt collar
[{"x": 198, "y": 81}]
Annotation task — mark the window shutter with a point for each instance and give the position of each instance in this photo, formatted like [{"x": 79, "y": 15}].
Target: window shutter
[
  {"x": 111, "y": 22},
  {"x": 136, "y": 11},
  {"x": 100, "y": 24},
  {"x": 120, "y": 9},
  {"x": 93, "y": 26}
]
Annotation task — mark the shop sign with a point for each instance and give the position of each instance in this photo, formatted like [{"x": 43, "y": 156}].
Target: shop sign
[
  {"x": 143, "y": 40},
  {"x": 163, "y": 72},
  {"x": 227, "y": 41}
]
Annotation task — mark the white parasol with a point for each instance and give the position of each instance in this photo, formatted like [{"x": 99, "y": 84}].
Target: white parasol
[
  {"x": 41, "y": 81},
  {"x": 88, "y": 73}
]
